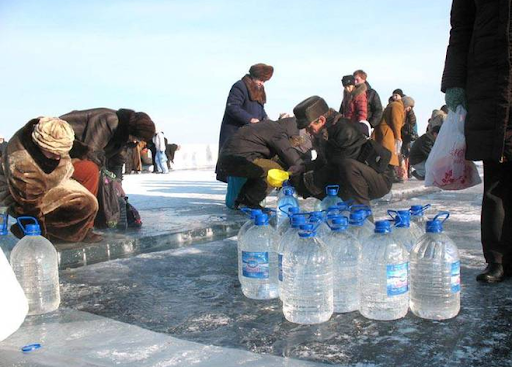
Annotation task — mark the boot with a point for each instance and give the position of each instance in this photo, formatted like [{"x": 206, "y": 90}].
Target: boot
[
  {"x": 493, "y": 273},
  {"x": 92, "y": 237}
]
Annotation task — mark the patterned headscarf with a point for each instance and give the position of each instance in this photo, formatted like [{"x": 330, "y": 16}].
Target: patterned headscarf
[{"x": 54, "y": 135}]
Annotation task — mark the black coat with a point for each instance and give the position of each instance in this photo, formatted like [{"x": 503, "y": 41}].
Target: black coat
[
  {"x": 266, "y": 140},
  {"x": 478, "y": 59},
  {"x": 103, "y": 130},
  {"x": 421, "y": 148},
  {"x": 239, "y": 111},
  {"x": 374, "y": 106}
]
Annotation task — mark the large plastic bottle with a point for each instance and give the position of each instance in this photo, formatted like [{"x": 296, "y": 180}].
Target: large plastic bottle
[
  {"x": 290, "y": 235},
  {"x": 405, "y": 232},
  {"x": 14, "y": 305},
  {"x": 317, "y": 219},
  {"x": 285, "y": 203},
  {"x": 359, "y": 226},
  {"x": 307, "y": 279},
  {"x": 419, "y": 218},
  {"x": 383, "y": 276},
  {"x": 258, "y": 260},
  {"x": 286, "y": 183},
  {"x": 346, "y": 254},
  {"x": 332, "y": 198},
  {"x": 35, "y": 263},
  {"x": 435, "y": 274},
  {"x": 243, "y": 230},
  {"x": 285, "y": 225}
]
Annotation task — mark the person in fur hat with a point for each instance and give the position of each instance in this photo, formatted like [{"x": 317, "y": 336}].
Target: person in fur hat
[
  {"x": 245, "y": 103},
  {"x": 354, "y": 105},
  {"x": 36, "y": 180}
]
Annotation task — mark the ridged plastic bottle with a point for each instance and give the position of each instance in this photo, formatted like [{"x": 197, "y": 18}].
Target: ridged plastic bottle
[
  {"x": 332, "y": 198},
  {"x": 35, "y": 263},
  {"x": 285, "y": 203},
  {"x": 285, "y": 225},
  {"x": 435, "y": 275},
  {"x": 321, "y": 228},
  {"x": 258, "y": 258},
  {"x": 243, "y": 230},
  {"x": 405, "y": 232},
  {"x": 307, "y": 277},
  {"x": 359, "y": 226},
  {"x": 419, "y": 218},
  {"x": 383, "y": 276},
  {"x": 346, "y": 254},
  {"x": 289, "y": 236}
]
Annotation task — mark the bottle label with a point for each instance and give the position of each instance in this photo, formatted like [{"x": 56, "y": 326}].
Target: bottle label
[
  {"x": 280, "y": 265},
  {"x": 255, "y": 265},
  {"x": 455, "y": 273},
  {"x": 397, "y": 279}
]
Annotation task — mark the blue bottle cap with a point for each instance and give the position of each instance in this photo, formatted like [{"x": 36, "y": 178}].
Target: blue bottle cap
[
  {"x": 31, "y": 347},
  {"x": 403, "y": 219},
  {"x": 298, "y": 220},
  {"x": 293, "y": 210},
  {"x": 307, "y": 230},
  {"x": 318, "y": 215},
  {"x": 32, "y": 230},
  {"x": 434, "y": 226},
  {"x": 261, "y": 219},
  {"x": 255, "y": 212},
  {"x": 332, "y": 190},
  {"x": 339, "y": 223},
  {"x": 382, "y": 226},
  {"x": 357, "y": 218},
  {"x": 418, "y": 210},
  {"x": 288, "y": 191}
]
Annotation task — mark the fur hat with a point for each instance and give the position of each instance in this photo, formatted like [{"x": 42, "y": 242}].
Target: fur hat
[
  {"x": 309, "y": 110},
  {"x": 348, "y": 80},
  {"x": 399, "y": 92},
  {"x": 261, "y": 72},
  {"x": 141, "y": 126},
  {"x": 408, "y": 101},
  {"x": 54, "y": 135}
]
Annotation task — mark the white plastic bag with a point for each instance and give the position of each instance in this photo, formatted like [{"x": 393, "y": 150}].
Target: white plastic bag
[
  {"x": 14, "y": 305},
  {"x": 446, "y": 165}
]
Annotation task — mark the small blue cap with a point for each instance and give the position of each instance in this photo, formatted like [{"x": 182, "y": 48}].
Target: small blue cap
[
  {"x": 417, "y": 210},
  {"x": 255, "y": 212},
  {"x": 434, "y": 226},
  {"x": 32, "y": 230},
  {"x": 306, "y": 230},
  {"x": 293, "y": 210},
  {"x": 30, "y": 347},
  {"x": 382, "y": 226},
  {"x": 298, "y": 220},
  {"x": 339, "y": 223},
  {"x": 261, "y": 219},
  {"x": 357, "y": 218},
  {"x": 403, "y": 219},
  {"x": 288, "y": 191},
  {"x": 332, "y": 192}
]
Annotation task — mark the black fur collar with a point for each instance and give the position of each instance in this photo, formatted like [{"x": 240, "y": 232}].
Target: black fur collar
[{"x": 46, "y": 164}]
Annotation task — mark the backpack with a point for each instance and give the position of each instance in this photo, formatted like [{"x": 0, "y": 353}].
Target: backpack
[
  {"x": 108, "y": 204},
  {"x": 132, "y": 215}
]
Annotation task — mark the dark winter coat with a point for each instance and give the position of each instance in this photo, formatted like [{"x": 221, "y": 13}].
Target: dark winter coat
[
  {"x": 374, "y": 110},
  {"x": 266, "y": 140},
  {"x": 421, "y": 148},
  {"x": 409, "y": 130},
  {"x": 240, "y": 109},
  {"x": 478, "y": 59},
  {"x": 105, "y": 131}
]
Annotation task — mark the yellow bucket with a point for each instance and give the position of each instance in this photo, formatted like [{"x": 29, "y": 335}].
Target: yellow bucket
[{"x": 276, "y": 177}]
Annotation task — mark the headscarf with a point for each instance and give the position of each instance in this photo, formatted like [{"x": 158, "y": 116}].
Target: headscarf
[{"x": 54, "y": 135}]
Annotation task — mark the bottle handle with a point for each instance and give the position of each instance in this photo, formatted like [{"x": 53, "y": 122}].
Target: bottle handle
[
  {"x": 337, "y": 187},
  {"x": 19, "y": 219},
  {"x": 441, "y": 214}
]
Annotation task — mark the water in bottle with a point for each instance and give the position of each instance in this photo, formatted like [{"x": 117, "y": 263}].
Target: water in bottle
[
  {"x": 317, "y": 219},
  {"x": 285, "y": 203},
  {"x": 383, "y": 276},
  {"x": 405, "y": 232},
  {"x": 359, "y": 226},
  {"x": 419, "y": 218},
  {"x": 258, "y": 258},
  {"x": 307, "y": 279},
  {"x": 285, "y": 225},
  {"x": 346, "y": 254},
  {"x": 35, "y": 263},
  {"x": 296, "y": 221},
  {"x": 435, "y": 274},
  {"x": 243, "y": 230},
  {"x": 280, "y": 193},
  {"x": 332, "y": 198}
]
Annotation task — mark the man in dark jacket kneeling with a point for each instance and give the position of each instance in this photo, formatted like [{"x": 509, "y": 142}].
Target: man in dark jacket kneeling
[
  {"x": 345, "y": 157},
  {"x": 420, "y": 151}
]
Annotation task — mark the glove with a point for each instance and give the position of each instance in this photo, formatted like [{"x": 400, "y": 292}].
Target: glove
[
  {"x": 297, "y": 169},
  {"x": 398, "y": 146},
  {"x": 455, "y": 97}
]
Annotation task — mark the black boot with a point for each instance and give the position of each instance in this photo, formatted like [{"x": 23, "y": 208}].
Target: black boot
[{"x": 493, "y": 273}]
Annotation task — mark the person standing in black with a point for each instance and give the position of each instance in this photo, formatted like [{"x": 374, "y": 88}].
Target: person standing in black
[{"x": 478, "y": 76}]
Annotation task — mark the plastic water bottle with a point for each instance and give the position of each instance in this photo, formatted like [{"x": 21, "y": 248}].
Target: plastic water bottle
[
  {"x": 307, "y": 279},
  {"x": 435, "y": 274},
  {"x": 243, "y": 230},
  {"x": 346, "y": 254},
  {"x": 286, "y": 183},
  {"x": 290, "y": 235},
  {"x": 321, "y": 228},
  {"x": 14, "y": 305},
  {"x": 419, "y": 218},
  {"x": 258, "y": 259},
  {"x": 332, "y": 198},
  {"x": 405, "y": 232},
  {"x": 285, "y": 225},
  {"x": 287, "y": 201},
  {"x": 383, "y": 276},
  {"x": 359, "y": 227},
  {"x": 35, "y": 263}
]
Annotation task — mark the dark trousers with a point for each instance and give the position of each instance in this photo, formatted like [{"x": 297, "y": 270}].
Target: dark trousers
[
  {"x": 357, "y": 181},
  {"x": 496, "y": 217},
  {"x": 256, "y": 188}
]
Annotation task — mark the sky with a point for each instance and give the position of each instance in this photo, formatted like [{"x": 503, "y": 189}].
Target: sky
[{"x": 176, "y": 60}]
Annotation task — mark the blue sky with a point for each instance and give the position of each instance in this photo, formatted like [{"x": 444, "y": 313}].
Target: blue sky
[{"x": 176, "y": 60}]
